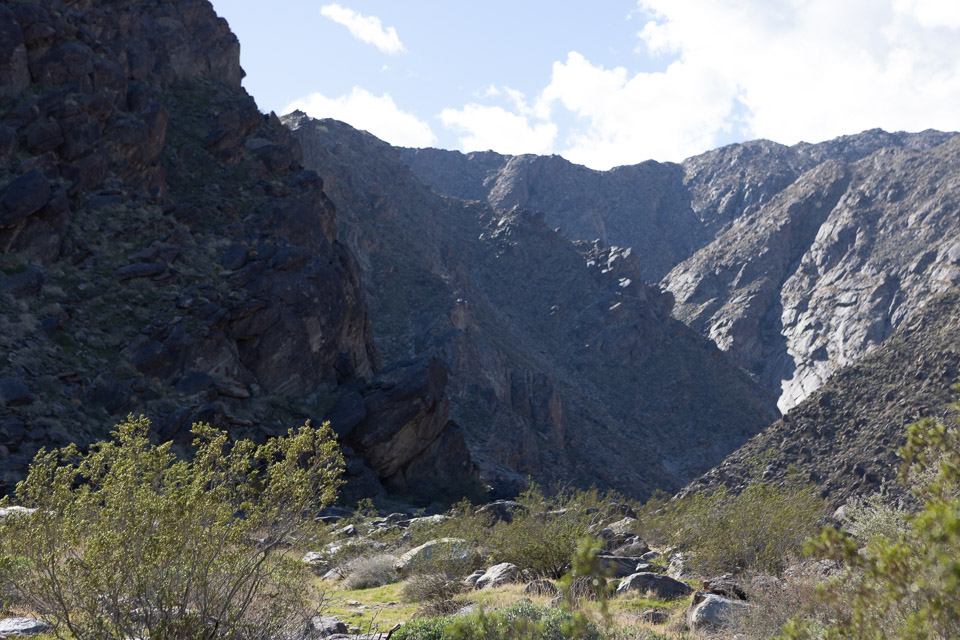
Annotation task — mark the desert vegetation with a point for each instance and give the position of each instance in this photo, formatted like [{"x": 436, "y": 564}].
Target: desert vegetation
[{"x": 126, "y": 540}]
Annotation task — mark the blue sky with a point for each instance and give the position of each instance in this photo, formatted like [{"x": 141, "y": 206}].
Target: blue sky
[{"x": 605, "y": 83}]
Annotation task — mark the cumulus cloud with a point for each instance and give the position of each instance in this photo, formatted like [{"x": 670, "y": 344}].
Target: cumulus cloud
[
  {"x": 493, "y": 127},
  {"x": 817, "y": 69},
  {"x": 628, "y": 118},
  {"x": 367, "y": 29},
  {"x": 787, "y": 70},
  {"x": 379, "y": 115}
]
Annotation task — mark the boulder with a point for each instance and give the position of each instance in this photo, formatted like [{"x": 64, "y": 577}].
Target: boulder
[
  {"x": 625, "y": 526},
  {"x": 660, "y": 586},
  {"x": 500, "y": 510},
  {"x": 24, "y": 196},
  {"x": 498, "y": 574},
  {"x": 26, "y": 283},
  {"x": 328, "y": 625},
  {"x": 654, "y": 616},
  {"x": 471, "y": 580},
  {"x": 634, "y": 547},
  {"x": 14, "y": 392},
  {"x": 15, "y": 510},
  {"x": 22, "y": 627},
  {"x": 620, "y": 566},
  {"x": 725, "y": 586},
  {"x": 541, "y": 588},
  {"x": 708, "y": 611},
  {"x": 441, "y": 550}
]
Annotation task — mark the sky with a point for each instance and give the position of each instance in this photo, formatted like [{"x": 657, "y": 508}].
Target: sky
[{"x": 609, "y": 82}]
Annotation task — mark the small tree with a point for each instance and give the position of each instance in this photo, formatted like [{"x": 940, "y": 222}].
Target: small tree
[{"x": 128, "y": 541}]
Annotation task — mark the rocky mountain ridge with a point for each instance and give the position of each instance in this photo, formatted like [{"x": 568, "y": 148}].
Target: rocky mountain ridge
[
  {"x": 556, "y": 371},
  {"x": 758, "y": 242}
]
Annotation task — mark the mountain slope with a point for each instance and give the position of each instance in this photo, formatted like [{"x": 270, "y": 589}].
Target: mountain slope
[
  {"x": 746, "y": 233},
  {"x": 844, "y": 437},
  {"x": 563, "y": 364},
  {"x": 165, "y": 253}
]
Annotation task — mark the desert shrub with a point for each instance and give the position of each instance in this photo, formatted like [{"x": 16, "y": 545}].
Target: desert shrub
[
  {"x": 777, "y": 600},
  {"x": 439, "y": 575},
  {"x": 899, "y": 584},
  {"x": 588, "y": 577},
  {"x": 756, "y": 529},
  {"x": 371, "y": 571},
  {"x": 519, "y": 622},
  {"x": 128, "y": 541},
  {"x": 464, "y": 521},
  {"x": 544, "y": 532},
  {"x": 875, "y": 515}
]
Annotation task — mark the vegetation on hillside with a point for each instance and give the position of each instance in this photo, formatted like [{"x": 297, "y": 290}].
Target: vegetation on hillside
[{"x": 127, "y": 541}]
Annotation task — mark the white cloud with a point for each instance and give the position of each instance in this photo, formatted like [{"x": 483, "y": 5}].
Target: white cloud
[
  {"x": 815, "y": 69},
  {"x": 627, "y": 119},
  {"x": 496, "y": 128},
  {"x": 377, "y": 114},
  {"x": 787, "y": 70},
  {"x": 367, "y": 29}
]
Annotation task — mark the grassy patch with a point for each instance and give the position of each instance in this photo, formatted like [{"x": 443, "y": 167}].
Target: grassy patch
[{"x": 366, "y": 609}]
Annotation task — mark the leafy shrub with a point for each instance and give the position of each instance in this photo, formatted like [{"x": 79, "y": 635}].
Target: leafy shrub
[
  {"x": 371, "y": 571},
  {"x": 127, "y": 541},
  {"x": 778, "y": 600},
  {"x": 757, "y": 529},
  {"x": 544, "y": 532},
  {"x": 519, "y": 622},
  {"x": 899, "y": 584},
  {"x": 867, "y": 518},
  {"x": 439, "y": 578}
]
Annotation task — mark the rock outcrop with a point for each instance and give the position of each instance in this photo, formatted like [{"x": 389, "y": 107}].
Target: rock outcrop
[{"x": 163, "y": 250}]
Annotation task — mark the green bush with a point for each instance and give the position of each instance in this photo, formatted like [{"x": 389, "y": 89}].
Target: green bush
[
  {"x": 519, "y": 622},
  {"x": 901, "y": 583},
  {"x": 544, "y": 533},
  {"x": 128, "y": 541},
  {"x": 758, "y": 529},
  {"x": 371, "y": 571},
  {"x": 438, "y": 576}
]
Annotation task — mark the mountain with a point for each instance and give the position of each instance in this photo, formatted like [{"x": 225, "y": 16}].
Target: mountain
[
  {"x": 563, "y": 364},
  {"x": 165, "y": 253},
  {"x": 796, "y": 260},
  {"x": 845, "y": 436}
]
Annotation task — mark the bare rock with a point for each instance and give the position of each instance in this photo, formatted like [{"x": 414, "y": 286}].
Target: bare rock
[
  {"x": 22, "y": 627},
  {"x": 14, "y": 69},
  {"x": 24, "y": 196},
  {"x": 497, "y": 575},
  {"x": 710, "y": 612},
  {"x": 658, "y": 585},
  {"x": 14, "y": 392}
]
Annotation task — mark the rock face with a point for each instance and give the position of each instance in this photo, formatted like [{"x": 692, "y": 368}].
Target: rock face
[
  {"x": 796, "y": 261},
  {"x": 845, "y": 436},
  {"x": 164, "y": 251},
  {"x": 562, "y": 363}
]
